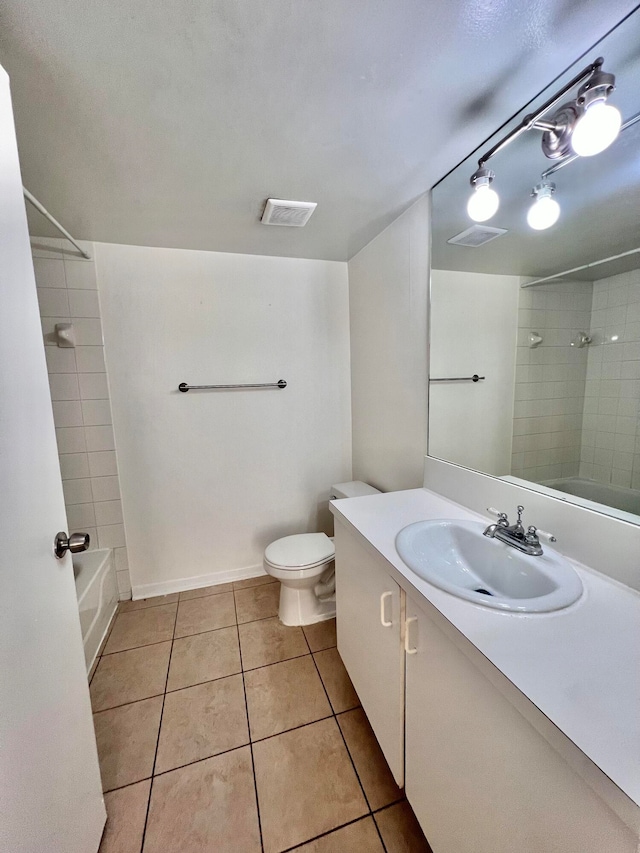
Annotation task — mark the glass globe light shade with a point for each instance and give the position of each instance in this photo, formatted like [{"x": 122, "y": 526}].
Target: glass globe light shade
[
  {"x": 543, "y": 213},
  {"x": 596, "y": 129},
  {"x": 484, "y": 202}
]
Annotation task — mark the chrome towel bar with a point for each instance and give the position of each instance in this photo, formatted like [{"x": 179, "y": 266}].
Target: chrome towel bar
[
  {"x": 184, "y": 387},
  {"x": 474, "y": 378}
]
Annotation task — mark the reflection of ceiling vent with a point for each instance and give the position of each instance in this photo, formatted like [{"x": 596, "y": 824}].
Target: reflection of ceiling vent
[
  {"x": 476, "y": 236},
  {"x": 279, "y": 212}
]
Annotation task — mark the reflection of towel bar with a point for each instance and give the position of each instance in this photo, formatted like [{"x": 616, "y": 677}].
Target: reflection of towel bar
[{"x": 474, "y": 378}]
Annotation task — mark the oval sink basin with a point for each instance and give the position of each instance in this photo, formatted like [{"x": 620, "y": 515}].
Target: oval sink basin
[{"x": 456, "y": 557}]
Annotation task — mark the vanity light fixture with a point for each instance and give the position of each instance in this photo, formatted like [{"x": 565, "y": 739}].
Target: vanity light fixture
[
  {"x": 545, "y": 210},
  {"x": 484, "y": 201},
  {"x": 584, "y": 126}
]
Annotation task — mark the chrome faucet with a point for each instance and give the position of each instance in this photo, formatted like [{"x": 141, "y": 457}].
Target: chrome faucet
[{"x": 515, "y": 535}]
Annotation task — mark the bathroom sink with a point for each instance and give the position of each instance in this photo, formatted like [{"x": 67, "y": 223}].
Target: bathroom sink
[{"x": 456, "y": 557}]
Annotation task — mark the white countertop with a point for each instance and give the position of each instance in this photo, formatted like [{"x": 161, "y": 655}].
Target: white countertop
[{"x": 580, "y": 666}]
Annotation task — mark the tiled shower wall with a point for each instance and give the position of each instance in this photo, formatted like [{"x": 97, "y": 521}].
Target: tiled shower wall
[
  {"x": 550, "y": 381},
  {"x": 611, "y": 424},
  {"x": 67, "y": 293}
]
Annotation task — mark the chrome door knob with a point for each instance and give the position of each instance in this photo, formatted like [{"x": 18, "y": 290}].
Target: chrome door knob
[{"x": 75, "y": 543}]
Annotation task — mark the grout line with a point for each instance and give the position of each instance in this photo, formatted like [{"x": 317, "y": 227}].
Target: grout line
[
  {"x": 246, "y": 708},
  {"x": 155, "y": 756},
  {"x": 329, "y": 832}
]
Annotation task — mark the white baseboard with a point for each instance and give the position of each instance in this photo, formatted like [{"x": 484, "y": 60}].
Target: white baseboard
[{"x": 150, "y": 590}]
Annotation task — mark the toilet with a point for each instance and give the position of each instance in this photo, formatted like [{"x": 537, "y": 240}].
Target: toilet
[{"x": 304, "y": 565}]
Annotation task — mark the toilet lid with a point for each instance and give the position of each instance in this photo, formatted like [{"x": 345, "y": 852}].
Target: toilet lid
[{"x": 303, "y": 549}]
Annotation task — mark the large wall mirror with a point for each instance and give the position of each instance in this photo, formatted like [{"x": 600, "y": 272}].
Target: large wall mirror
[{"x": 535, "y": 311}]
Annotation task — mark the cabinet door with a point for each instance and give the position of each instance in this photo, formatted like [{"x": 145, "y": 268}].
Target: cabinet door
[
  {"x": 479, "y": 776},
  {"x": 369, "y": 615}
]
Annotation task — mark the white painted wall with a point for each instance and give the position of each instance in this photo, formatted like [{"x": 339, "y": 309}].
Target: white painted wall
[
  {"x": 388, "y": 287},
  {"x": 208, "y": 479},
  {"x": 474, "y": 321}
]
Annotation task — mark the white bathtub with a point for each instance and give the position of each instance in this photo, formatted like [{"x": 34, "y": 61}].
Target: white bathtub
[{"x": 97, "y": 593}]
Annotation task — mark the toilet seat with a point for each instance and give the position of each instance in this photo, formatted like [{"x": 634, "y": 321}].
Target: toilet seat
[{"x": 301, "y": 551}]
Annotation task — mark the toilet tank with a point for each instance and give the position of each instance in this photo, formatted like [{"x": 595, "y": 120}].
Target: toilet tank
[{"x": 353, "y": 489}]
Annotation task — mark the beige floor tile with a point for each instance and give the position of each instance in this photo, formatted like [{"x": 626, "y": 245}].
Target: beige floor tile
[
  {"x": 259, "y": 602},
  {"x": 249, "y": 582},
  {"x": 144, "y": 603},
  {"x": 204, "y": 657},
  {"x": 283, "y": 696},
  {"x": 141, "y": 628},
  {"x": 306, "y": 785},
  {"x": 268, "y": 641},
  {"x": 129, "y": 676},
  {"x": 126, "y": 814},
  {"x": 201, "y": 721},
  {"x": 203, "y": 591},
  {"x": 336, "y": 680},
  {"x": 205, "y": 614},
  {"x": 321, "y": 636},
  {"x": 376, "y": 778},
  {"x": 359, "y": 837},
  {"x": 208, "y": 806},
  {"x": 126, "y": 738},
  {"x": 400, "y": 830}
]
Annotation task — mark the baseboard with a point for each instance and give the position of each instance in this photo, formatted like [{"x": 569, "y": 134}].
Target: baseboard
[{"x": 150, "y": 590}]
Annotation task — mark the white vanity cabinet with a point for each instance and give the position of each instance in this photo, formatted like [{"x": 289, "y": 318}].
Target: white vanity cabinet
[
  {"x": 484, "y": 770},
  {"x": 369, "y": 612},
  {"x": 479, "y": 776}
]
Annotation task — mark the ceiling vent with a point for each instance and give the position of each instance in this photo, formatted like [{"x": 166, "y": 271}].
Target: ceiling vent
[
  {"x": 476, "y": 236},
  {"x": 293, "y": 213}
]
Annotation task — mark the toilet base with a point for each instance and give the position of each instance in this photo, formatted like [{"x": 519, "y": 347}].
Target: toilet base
[{"x": 303, "y": 607}]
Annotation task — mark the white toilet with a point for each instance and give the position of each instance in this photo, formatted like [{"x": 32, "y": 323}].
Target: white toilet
[{"x": 304, "y": 565}]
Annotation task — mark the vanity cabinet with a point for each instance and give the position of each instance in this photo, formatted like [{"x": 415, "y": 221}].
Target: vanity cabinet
[
  {"x": 484, "y": 770},
  {"x": 369, "y": 620}
]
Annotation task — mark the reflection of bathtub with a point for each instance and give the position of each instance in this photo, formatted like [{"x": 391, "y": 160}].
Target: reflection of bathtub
[
  {"x": 97, "y": 593},
  {"x": 627, "y": 500}
]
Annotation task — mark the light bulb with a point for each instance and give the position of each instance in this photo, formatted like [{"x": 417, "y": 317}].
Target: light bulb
[
  {"x": 596, "y": 129},
  {"x": 543, "y": 213},
  {"x": 483, "y": 203}
]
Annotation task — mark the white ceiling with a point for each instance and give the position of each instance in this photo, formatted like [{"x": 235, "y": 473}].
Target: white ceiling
[{"x": 168, "y": 122}]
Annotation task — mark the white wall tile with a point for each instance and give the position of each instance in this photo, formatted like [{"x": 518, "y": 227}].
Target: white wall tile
[
  {"x": 84, "y": 303},
  {"x": 67, "y": 413},
  {"x": 53, "y": 302},
  {"x": 124, "y": 585},
  {"x": 111, "y": 536},
  {"x": 90, "y": 359},
  {"x": 122, "y": 560},
  {"x": 99, "y": 438},
  {"x": 77, "y": 491},
  {"x": 47, "y": 247},
  {"x": 108, "y": 512},
  {"x": 64, "y": 386},
  {"x": 105, "y": 488},
  {"x": 60, "y": 359},
  {"x": 81, "y": 516},
  {"x": 49, "y": 272},
  {"x": 103, "y": 463},
  {"x": 74, "y": 465},
  {"x": 88, "y": 332},
  {"x": 71, "y": 440},
  {"x": 80, "y": 275},
  {"x": 96, "y": 412},
  {"x": 93, "y": 386}
]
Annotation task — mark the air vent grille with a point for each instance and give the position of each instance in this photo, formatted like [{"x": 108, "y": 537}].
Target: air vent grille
[
  {"x": 292, "y": 213},
  {"x": 476, "y": 236}
]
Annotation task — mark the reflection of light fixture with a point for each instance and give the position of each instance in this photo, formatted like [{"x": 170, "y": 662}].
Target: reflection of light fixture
[
  {"x": 484, "y": 201},
  {"x": 545, "y": 210},
  {"x": 581, "y": 339}
]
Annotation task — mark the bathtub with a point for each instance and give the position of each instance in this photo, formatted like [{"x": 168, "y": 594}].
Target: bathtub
[
  {"x": 97, "y": 593},
  {"x": 627, "y": 501}
]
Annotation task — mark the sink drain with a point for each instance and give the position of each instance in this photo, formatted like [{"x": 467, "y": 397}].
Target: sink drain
[{"x": 483, "y": 591}]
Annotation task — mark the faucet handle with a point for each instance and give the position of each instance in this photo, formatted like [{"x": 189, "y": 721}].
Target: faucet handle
[
  {"x": 542, "y": 534},
  {"x": 501, "y": 516}
]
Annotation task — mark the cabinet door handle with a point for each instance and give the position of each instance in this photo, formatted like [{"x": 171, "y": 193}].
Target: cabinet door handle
[
  {"x": 406, "y": 635},
  {"x": 383, "y": 601}
]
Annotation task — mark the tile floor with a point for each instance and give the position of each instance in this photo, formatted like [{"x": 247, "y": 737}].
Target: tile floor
[{"x": 219, "y": 729}]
